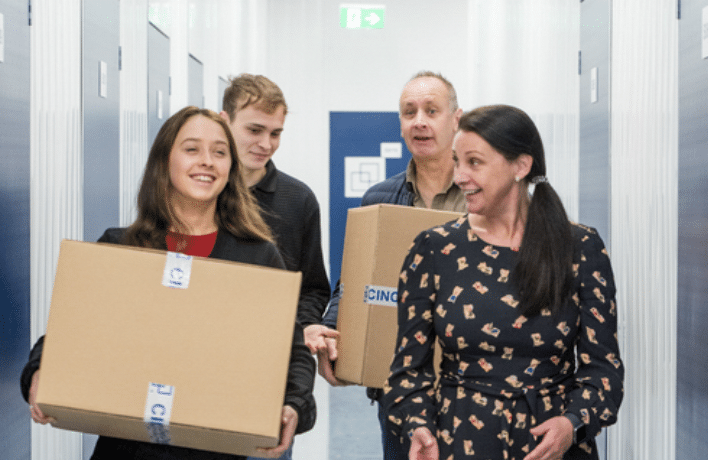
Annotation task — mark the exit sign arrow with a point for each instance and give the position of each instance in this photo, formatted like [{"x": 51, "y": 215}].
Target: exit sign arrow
[{"x": 372, "y": 19}]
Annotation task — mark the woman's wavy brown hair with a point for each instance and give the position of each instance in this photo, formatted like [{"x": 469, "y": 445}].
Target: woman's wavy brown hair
[{"x": 236, "y": 210}]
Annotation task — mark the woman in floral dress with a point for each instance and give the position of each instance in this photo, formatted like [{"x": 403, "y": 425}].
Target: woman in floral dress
[{"x": 522, "y": 303}]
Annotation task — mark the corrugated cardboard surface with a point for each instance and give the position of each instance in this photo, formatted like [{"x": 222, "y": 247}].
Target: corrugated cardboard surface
[
  {"x": 223, "y": 343},
  {"x": 376, "y": 242}
]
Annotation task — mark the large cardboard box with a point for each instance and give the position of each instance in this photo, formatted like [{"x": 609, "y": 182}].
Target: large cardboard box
[
  {"x": 202, "y": 363},
  {"x": 376, "y": 242}
]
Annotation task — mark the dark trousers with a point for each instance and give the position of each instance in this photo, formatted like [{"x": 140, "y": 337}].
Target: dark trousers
[{"x": 392, "y": 447}]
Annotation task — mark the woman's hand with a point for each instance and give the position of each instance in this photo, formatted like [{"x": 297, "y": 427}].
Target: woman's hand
[
  {"x": 424, "y": 446},
  {"x": 287, "y": 432},
  {"x": 36, "y": 413},
  {"x": 557, "y": 435}
]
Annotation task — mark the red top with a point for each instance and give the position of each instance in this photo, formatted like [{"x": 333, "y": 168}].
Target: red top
[{"x": 191, "y": 245}]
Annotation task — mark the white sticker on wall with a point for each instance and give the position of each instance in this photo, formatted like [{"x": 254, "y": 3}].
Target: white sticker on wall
[
  {"x": 159, "y": 104},
  {"x": 158, "y": 411},
  {"x": 360, "y": 173},
  {"x": 102, "y": 79},
  {"x": 704, "y": 32},
  {"x": 178, "y": 270},
  {"x": 391, "y": 150},
  {"x": 2, "y": 37},
  {"x": 593, "y": 85}
]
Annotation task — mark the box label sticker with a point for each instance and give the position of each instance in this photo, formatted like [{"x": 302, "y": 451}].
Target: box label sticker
[
  {"x": 178, "y": 269},
  {"x": 381, "y": 295},
  {"x": 158, "y": 410}
]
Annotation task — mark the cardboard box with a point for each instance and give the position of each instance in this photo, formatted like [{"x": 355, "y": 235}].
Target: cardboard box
[
  {"x": 200, "y": 364},
  {"x": 377, "y": 239}
]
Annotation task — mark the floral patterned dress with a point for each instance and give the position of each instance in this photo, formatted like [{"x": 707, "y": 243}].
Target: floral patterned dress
[{"x": 501, "y": 372}]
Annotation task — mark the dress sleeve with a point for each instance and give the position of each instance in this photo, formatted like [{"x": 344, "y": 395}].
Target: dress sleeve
[
  {"x": 409, "y": 390},
  {"x": 598, "y": 390}
]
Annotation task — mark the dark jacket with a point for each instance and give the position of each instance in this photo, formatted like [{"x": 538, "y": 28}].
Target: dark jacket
[
  {"x": 291, "y": 211},
  {"x": 301, "y": 372},
  {"x": 394, "y": 190}
]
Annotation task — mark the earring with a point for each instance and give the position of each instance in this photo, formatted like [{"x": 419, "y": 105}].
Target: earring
[{"x": 517, "y": 179}]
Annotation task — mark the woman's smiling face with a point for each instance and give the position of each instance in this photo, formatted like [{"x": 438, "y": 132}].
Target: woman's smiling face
[
  {"x": 486, "y": 177},
  {"x": 199, "y": 162}
]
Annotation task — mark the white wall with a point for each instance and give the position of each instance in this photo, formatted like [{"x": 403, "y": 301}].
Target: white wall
[
  {"x": 56, "y": 171},
  {"x": 644, "y": 222}
]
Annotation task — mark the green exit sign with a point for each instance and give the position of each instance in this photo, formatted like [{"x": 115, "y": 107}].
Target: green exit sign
[{"x": 361, "y": 16}]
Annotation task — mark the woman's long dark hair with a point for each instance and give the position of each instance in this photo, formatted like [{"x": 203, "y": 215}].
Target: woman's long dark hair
[
  {"x": 236, "y": 210},
  {"x": 544, "y": 268}
]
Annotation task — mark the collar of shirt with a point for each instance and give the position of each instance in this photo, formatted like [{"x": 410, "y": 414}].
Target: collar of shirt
[
  {"x": 269, "y": 181},
  {"x": 451, "y": 199}
]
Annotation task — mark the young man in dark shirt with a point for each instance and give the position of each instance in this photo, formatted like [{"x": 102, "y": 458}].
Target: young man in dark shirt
[{"x": 255, "y": 109}]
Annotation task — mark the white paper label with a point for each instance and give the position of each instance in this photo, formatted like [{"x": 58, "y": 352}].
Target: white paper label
[
  {"x": 704, "y": 33},
  {"x": 2, "y": 38},
  {"x": 391, "y": 150},
  {"x": 381, "y": 295},
  {"x": 159, "y": 105},
  {"x": 593, "y": 85},
  {"x": 158, "y": 410},
  {"x": 102, "y": 79},
  {"x": 178, "y": 269}
]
